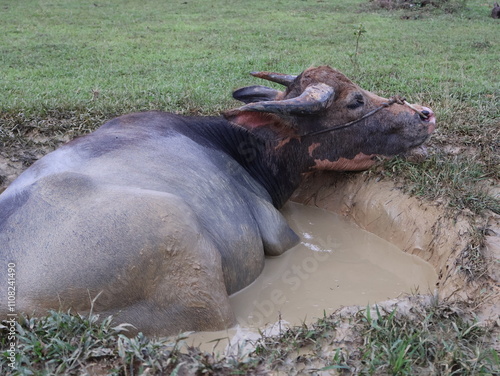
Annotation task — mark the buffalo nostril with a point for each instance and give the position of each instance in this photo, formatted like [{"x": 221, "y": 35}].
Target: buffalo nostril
[{"x": 426, "y": 114}]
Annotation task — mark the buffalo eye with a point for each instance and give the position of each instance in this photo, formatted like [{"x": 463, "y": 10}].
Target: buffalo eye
[{"x": 357, "y": 101}]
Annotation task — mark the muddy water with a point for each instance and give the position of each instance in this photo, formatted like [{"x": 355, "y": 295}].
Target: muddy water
[{"x": 336, "y": 264}]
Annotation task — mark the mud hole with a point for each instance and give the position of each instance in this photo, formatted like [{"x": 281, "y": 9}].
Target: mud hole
[
  {"x": 468, "y": 276},
  {"x": 467, "y": 267}
]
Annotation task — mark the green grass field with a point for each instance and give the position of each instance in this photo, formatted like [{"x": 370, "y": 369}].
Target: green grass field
[
  {"x": 185, "y": 56},
  {"x": 66, "y": 66}
]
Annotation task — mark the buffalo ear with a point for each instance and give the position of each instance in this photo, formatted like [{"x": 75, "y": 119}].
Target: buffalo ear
[
  {"x": 279, "y": 116},
  {"x": 256, "y": 93},
  {"x": 268, "y": 125}
]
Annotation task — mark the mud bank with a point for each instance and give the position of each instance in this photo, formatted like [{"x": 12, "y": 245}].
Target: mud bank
[{"x": 467, "y": 268}]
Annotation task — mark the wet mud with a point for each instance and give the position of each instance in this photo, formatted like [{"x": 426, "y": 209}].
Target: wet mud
[{"x": 336, "y": 264}]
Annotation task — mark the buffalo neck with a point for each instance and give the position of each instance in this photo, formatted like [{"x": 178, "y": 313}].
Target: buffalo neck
[{"x": 276, "y": 169}]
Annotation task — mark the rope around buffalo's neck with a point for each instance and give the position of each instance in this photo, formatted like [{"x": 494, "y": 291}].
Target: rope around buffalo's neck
[{"x": 395, "y": 99}]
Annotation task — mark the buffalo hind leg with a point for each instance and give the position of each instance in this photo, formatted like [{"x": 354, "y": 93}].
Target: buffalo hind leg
[{"x": 179, "y": 286}]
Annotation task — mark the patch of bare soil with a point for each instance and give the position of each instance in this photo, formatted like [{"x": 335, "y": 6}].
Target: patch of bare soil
[
  {"x": 24, "y": 140},
  {"x": 409, "y": 4},
  {"x": 25, "y": 144}
]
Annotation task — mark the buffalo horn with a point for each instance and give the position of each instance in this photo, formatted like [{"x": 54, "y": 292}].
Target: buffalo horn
[
  {"x": 314, "y": 99},
  {"x": 279, "y": 78}
]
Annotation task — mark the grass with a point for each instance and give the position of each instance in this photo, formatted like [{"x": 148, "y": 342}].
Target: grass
[
  {"x": 436, "y": 339},
  {"x": 401, "y": 347},
  {"x": 456, "y": 178},
  {"x": 65, "y": 344},
  {"x": 68, "y": 66},
  {"x": 106, "y": 56}
]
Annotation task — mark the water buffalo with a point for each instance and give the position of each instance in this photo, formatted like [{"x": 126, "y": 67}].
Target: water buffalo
[
  {"x": 495, "y": 12},
  {"x": 157, "y": 218}
]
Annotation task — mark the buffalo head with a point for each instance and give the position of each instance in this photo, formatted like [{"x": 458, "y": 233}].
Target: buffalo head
[
  {"x": 495, "y": 12},
  {"x": 322, "y": 98}
]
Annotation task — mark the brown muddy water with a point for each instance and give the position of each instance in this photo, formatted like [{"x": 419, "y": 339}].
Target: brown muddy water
[{"x": 336, "y": 264}]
